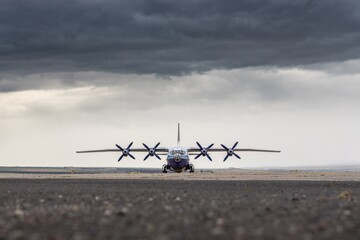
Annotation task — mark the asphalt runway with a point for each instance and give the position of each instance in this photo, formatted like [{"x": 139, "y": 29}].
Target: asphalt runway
[{"x": 178, "y": 209}]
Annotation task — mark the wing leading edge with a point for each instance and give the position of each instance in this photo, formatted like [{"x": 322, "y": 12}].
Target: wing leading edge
[
  {"x": 237, "y": 149},
  {"x": 163, "y": 150}
]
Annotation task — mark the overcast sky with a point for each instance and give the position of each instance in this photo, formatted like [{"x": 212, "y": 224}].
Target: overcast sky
[{"x": 86, "y": 74}]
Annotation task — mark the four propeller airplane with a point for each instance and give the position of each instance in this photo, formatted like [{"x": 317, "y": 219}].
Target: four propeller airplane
[{"x": 178, "y": 158}]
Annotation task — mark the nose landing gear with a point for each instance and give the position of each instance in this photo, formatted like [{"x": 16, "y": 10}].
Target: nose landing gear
[{"x": 189, "y": 167}]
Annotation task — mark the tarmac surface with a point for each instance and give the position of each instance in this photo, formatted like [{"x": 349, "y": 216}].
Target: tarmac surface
[
  {"x": 218, "y": 175},
  {"x": 178, "y": 209}
]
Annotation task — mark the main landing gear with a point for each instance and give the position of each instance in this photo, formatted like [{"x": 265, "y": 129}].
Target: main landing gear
[
  {"x": 191, "y": 168},
  {"x": 165, "y": 168}
]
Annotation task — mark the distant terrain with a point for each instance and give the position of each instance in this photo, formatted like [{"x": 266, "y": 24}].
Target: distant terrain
[
  {"x": 78, "y": 170},
  {"x": 90, "y": 170}
]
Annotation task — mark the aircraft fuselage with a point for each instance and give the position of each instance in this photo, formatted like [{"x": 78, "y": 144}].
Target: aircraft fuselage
[{"x": 178, "y": 159}]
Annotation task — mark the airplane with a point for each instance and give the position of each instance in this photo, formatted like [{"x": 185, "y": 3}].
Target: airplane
[{"x": 178, "y": 158}]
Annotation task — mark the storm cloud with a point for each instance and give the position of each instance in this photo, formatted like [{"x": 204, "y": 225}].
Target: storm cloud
[{"x": 173, "y": 38}]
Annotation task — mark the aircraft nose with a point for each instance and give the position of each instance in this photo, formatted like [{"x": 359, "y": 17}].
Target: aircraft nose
[{"x": 177, "y": 158}]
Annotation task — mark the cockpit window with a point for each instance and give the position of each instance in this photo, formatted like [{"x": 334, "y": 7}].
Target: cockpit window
[{"x": 177, "y": 151}]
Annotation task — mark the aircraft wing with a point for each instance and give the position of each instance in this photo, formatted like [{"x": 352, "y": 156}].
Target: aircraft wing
[
  {"x": 243, "y": 150},
  {"x": 204, "y": 151},
  {"x": 197, "y": 150},
  {"x": 163, "y": 150},
  {"x": 153, "y": 152}
]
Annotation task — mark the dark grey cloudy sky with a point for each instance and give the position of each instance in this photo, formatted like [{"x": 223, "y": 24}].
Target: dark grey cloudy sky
[
  {"x": 174, "y": 37},
  {"x": 237, "y": 62}
]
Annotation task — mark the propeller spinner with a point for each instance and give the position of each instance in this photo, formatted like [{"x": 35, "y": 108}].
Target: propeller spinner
[
  {"x": 204, "y": 151},
  {"x": 125, "y": 152},
  {"x": 152, "y": 151},
  {"x": 230, "y": 151}
]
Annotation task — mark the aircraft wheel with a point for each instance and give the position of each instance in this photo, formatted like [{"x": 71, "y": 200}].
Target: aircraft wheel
[
  {"x": 164, "y": 168},
  {"x": 192, "y": 168}
]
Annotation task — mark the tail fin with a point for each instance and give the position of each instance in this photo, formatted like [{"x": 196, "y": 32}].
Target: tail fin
[{"x": 178, "y": 138}]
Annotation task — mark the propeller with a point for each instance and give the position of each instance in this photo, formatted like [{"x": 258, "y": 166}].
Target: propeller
[
  {"x": 125, "y": 152},
  {"x": 204, "y": 151},
  {"x": 230, "y": 151},
  {"x": 152, "y": 151}
]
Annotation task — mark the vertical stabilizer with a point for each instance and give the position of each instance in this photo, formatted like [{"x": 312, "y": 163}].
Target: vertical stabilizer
[{"x": 178, "y": 138}]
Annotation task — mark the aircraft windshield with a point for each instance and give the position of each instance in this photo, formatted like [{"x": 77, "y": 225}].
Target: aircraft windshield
[{"x": 177, "y": 151}]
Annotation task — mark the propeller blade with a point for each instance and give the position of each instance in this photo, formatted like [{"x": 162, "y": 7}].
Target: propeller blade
[
  {"x": 119, "y": 147},
  {"x": 237, "y": 156},
  {"x": 131, "y": 156},
  {"x": 235, "y": 145},
  {"x": 130, "y": 145},
  {"x": 224, "y": 147},
  {"x": 146, "y": 156},
  {"x": 209, "y": 146},
  {"x": 156, "y": 145},
  {"x": 226, "y": 157},
  {"x": 203, "y": 151},
  {"x": 152, "y": 151},
  {"x": 146, "y": 146},
  {"x": 122, "y": 155}
]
